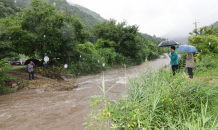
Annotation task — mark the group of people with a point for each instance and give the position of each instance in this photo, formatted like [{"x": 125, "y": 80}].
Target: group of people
[{"x": 175, "y": 61}]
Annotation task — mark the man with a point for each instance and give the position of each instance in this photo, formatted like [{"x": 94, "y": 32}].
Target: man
[
  {"x": 174, "y": 60},
  {"x": 30, "y": 70}
]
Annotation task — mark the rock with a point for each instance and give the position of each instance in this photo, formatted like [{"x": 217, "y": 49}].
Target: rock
[
  {"x": 14, "y": 85},
  {"x": 75, "y": 85},
  {"x": 63, "y": 77},
  {"x": 46, "y": 90},
  {"x": 18, "y": 83}
]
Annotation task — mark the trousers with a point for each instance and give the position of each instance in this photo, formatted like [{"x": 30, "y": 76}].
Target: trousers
[
  {"x": 31, "y": 73},
  {"x": 174, "y": 68},
  {"x": 190, "y": 73}
]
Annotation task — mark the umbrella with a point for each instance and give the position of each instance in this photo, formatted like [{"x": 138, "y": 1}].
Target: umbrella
[
  {"x": 35, "y": 61},
  {"x": 168, "y": 43},
  {"x": 187, "y": 48}
]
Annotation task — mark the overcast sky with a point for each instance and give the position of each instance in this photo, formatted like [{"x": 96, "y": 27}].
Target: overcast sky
[{"x": 157, "y": 17}]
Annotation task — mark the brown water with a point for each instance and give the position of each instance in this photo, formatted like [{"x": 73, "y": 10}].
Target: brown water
[{"x": 40, "y": 110}]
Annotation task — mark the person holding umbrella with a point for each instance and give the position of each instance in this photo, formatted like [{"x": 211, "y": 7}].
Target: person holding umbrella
[
  {"x": 174, "y": 59},
  {"x": 30, "y": 70},
  {"x": 189, "y": 63},
  {"x": 174, "y": 55},
  {"x": 189, "y": 57}
]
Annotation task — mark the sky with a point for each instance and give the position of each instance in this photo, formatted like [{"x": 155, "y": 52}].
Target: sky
[{"x": 163, "y": 18}]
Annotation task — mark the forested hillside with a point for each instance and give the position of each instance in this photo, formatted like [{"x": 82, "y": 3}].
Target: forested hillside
[
  {"x": 8, "y": 7},
  {"x": 94, "y": 14},
  {"x": 155, "y": 39},
  {"x": 63, "y": 5}
]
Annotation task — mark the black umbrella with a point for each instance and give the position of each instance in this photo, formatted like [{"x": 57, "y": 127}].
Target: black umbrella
[
  {"x": 35, "y": 61},
  {"x": 168, "y": 43}
]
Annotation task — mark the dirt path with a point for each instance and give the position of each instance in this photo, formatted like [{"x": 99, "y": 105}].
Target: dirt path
[{"x": 53, "y": 110}]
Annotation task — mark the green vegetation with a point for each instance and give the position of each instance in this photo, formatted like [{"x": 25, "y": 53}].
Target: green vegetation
[
  {"x": 88, "y": 46},
  {"x": 94, "y": 14},
  {"x": 155, "y": 101}
]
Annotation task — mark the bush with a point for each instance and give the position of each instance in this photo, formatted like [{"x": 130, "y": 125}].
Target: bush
[
  {"x": 155, "y": 101},
  {"x": 51, "y": 71},
  {"x": 3, "y": 77},
  {"x": 87, "y": 64},
  {"x": 208, "y": 62},
  {"x": 111, "y": 57}
]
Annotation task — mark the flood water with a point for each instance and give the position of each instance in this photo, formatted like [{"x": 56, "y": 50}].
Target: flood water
[{"x": 40, "y": 110}]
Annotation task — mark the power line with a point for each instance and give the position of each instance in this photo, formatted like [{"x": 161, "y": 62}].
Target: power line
[{"x": 211, "y": 8}]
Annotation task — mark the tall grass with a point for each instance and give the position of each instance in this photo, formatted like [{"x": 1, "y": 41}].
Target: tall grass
[{"x": 158, "y": 101}]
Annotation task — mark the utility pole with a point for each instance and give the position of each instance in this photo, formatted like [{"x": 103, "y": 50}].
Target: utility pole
[{"x": 196, "y": 24}]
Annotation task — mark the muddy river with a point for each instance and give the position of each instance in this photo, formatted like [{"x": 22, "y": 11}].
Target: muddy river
[{"x": 40, "y": 110}]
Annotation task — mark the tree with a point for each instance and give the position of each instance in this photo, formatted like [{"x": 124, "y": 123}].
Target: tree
[
  {"x": 43, "y": 31},
  {"x": 7, "y": 7}
]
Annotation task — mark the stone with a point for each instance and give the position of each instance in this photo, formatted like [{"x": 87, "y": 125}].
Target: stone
[
  {"x": 63, "y": 77},
  {"x": 75, "y": 85},
  {"x": 14, "y": 85}
]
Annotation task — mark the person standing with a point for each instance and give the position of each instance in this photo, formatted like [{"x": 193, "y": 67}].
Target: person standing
[
  {"x": 190, "y": 63},
  {"x": 174, "y": 59},
  {"x": 30, "y": 70}
]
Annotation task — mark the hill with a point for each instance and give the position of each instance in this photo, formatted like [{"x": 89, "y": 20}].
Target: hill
[
  {"x": 155, "y": 39},
  {"x": 94, "y": 14},
  {"x": 63, "y": 5}
]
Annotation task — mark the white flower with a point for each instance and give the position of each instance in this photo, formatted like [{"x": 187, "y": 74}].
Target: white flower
[
  {"x": 44, "y": 36},
  {"x": 98, "y": 61},
  {"x": 80, "y": 55},
  {"x": 103, "y": 64},
  {"x": 54, "y": 3}
]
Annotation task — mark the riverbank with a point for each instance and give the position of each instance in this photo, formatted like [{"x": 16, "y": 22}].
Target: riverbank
[{"x": 39, "y": 109}]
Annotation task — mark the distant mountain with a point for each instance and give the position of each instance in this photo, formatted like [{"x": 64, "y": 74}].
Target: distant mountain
[
  {"x": 155, "y": 39},
  {"x": 215, "y": 24},
  {"x": 182, "y": 40},
  {"x": 94, "y": 14}
]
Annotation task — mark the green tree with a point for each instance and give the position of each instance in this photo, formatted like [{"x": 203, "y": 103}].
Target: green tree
[
  {"x": 43, "y": 31},
  {"x": 8, "y": 7}
]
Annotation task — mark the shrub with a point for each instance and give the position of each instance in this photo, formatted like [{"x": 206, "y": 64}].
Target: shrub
[
  {"x": 87, "y": 64},
  {"x": 88, "y": 47},
  {"x": 3, "y": 77},
  {"x": 51, "y": 71}
]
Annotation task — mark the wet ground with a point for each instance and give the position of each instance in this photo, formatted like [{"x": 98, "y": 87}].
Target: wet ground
[{"x": 41, "y": 110}]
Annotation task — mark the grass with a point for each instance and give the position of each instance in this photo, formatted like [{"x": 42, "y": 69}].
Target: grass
[
  {"x": 159, "y": 101},
  {"x": 18, "y": 67}
]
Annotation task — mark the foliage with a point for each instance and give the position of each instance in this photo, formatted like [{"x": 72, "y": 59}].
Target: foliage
[
  {"x": 8, "y": 8},
  {"x": 88, "y": 47},
  {"x": 208, "y": 62},
  {"x": 94, "y": 14},
  {"x": 154, "y": 39},
  {"x": 64, "y": 6},
  {"x": 155, "y": 101},
  {"x": 51, "y": 71},
  {"x": 86, "y": 64},
  {"x": 42, "y": 30},
  {"x": 3, "y": 77},
  {"x": 111, "y": 57}
]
